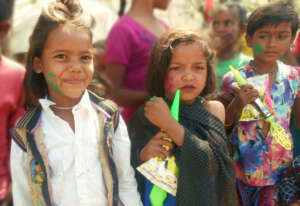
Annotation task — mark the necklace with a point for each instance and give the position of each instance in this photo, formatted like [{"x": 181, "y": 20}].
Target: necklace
[
  {"x": 62, "y": 108},
  {"x": 271, "y": 74}
]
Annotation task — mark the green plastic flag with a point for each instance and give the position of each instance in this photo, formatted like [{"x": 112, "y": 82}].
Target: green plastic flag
[
  {"x": 240, "y": 80},
  {"x": 158, "y": 195}
]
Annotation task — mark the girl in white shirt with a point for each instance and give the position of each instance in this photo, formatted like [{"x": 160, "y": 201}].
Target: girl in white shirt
[{"x": 71, "y": 147}]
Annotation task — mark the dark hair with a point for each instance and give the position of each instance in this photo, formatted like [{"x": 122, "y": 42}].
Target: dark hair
[
  {"x": 235, "y": 7},
  {"x": 161, "y": 56},
  {"x": 6, "y": 9},
  {"x": 122, "y": 7},
  {"x": 56, "y": 14},
  {"x": 272, "y": 13}
]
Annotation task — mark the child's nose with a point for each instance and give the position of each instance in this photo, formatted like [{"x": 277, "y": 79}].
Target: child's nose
[
  {"x": 188, "y": 76},
  {"x": 272, "y": 41},
  {"x": 74, "y": 65},
  {"x": 222, "y": 28}
]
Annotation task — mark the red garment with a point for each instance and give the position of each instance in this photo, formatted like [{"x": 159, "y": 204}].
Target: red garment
[
  {"x": 296, "y": 48},
  {"x": 11, "y": 101}
]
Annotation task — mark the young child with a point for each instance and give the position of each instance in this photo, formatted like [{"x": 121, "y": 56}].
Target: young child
[
  {"x": 128, "y": 48},
  {"x": 289, "y": 186},
  {"x": 71, "y": 147},
  {"x": 227, "y": 25},
  {"x": 259, "y": 157},
  {"x": 183, "y": 60},
  {"x": 11, "y": 102}
]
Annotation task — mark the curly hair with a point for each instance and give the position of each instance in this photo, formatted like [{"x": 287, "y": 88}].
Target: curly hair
[
  {"x": 60, "y": 12},
  {"x": 161, "y": 56}
]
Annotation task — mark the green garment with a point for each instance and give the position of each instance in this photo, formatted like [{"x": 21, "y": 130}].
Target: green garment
[{"x": 222, "y": 67}]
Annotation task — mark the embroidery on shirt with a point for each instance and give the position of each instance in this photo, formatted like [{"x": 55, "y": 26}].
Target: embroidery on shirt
[{"x": 36, "y": 172}]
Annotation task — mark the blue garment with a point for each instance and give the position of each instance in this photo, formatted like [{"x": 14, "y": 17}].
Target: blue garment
[
  {"x": 170, "y": 200},
  {"x": 296, "y": 138}
]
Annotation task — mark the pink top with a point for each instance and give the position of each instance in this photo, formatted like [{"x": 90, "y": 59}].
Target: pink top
[
  {"x": 130, "y": 44},
  {"x": 11, "y": 101}
]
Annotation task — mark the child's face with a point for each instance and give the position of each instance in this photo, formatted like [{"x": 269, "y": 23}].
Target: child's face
[
  {"x": 271, "y": 42},
  {"x": 187, "y": 71},
  {"x": 66, "y": 63},
  {"x": 225, "y": 27}
]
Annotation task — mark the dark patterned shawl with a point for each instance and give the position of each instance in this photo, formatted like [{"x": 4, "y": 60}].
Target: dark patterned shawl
[{"x": 206, "y": 171}]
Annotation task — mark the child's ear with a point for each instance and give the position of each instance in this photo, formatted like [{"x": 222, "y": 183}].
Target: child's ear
[
  {"x": 249, "y": 40},
  {"x": 4, "y": 28},
  {"x": 243, "y": 28},
  {"x": 37, "y": 65},
  {"x": 293, "y": 39}
]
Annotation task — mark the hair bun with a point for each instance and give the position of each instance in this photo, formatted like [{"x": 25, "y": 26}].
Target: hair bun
[
  {"x": 72, "y": 5},
  {"x": 69, "y": 9}
]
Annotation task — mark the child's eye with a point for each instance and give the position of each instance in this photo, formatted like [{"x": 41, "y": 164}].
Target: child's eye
[
  {"x": 86, "y": 58},
  {"x": 175, "y": 68},
  {"x": 61, "y": 56},
  {"x": 228, "y": 23},
  {"x": 215, "y": 24},
  {"x": 283, "y": 36},
  {"x": 199, "y": 67},
  {"x": 262, "y": 36}
]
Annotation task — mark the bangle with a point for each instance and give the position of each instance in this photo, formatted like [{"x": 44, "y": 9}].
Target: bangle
[{"x": 228, "y": 125}]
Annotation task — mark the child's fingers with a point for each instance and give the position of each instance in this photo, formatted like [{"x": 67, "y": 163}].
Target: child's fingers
[
  {"x": 161, "y": 143},
  {"x": 164, "y": 140},
  {"x": 165, "y": 144},
  {"x": 161, "y": 153}
]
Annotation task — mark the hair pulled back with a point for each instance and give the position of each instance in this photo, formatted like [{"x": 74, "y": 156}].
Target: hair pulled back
[{"x": 57, "y": 13}]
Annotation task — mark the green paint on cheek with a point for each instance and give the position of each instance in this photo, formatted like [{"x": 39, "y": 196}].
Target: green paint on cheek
[
  {"x": 53, "y": 82},
  {"x": 258, "y": 48}
]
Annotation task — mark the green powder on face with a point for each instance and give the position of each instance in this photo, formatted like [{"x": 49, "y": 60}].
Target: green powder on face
[
  {"x": 258, "y": 48},
  {"x": 53, "y": 82}
]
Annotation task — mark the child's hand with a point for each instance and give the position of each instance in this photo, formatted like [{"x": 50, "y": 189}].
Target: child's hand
[
  {"x": 155, "y": 148},
  {"x": 245, "y": 95},
  {"x": 158, "y": 113}
]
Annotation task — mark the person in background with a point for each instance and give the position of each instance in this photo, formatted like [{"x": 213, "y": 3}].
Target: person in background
[
  {"x": 289, "y": 185},
  {"x": 260, "y": 154},
  {"x": 227, "y": 26},
  {"x": 294, "y": 59},
  {"x": 100, "y": 84},
  {"x": 128, "y": 48},
  {"x": 71, "y": 147},
  {"x": 11, "y": 102}
]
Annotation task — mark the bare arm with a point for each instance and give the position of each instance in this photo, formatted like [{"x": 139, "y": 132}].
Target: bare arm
[
  {"x": 216, "y": 108},
  {"x": 122, "y": 96}
]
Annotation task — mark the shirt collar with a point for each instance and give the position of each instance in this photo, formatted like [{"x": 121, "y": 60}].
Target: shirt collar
[
  {"x": 83, "y": 104},
  {"x": 251, "y": 72}
]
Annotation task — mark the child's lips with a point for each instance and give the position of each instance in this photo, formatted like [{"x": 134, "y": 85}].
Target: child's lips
[
  {"x": 188, "y": 87},
  {"x": 271, "y": 53},
  {"x": 73, "y": 81}
]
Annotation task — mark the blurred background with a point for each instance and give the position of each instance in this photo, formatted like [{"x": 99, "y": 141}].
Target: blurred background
[{"x": 191, "y": 13}]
